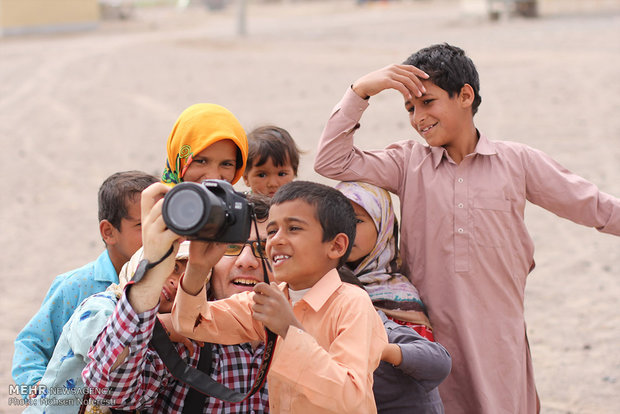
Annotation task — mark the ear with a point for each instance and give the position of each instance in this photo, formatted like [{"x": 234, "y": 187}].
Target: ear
[
  {"x": 466, "y": 96},
  {"x": 338, "y": 246},
  {"x": 108, "y": 232},
  {"x": 245, "y": 180}
]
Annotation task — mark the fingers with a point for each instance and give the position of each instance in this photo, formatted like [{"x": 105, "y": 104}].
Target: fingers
[
  {"x": 150, "y": 196},
  {"x": 408, "y": 80}
]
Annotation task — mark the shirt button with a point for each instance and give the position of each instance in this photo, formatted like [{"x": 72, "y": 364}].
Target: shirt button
[
  {"x": 460, "y": 230},
  {"x": 460, "y": 205},
  {"x": 460, "y": 180}
]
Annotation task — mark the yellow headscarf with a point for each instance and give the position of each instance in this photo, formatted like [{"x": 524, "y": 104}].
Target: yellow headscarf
[{"x": 196, "y": 128}]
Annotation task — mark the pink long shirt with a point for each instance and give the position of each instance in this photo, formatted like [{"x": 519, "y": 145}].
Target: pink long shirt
[
  {"x": 466, "y": 248},
  {"x": 325, "y": 368}
]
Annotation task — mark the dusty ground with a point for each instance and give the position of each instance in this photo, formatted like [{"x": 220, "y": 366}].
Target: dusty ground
[{"x": 75, "y": 108}]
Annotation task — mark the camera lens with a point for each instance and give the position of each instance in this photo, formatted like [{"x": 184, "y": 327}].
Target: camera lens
[{"x": 186, "y": 210}]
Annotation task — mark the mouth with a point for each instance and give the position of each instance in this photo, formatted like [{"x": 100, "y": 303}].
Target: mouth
[
  {"x": 244, "y": 282},
  {"x": 167, "y": 295},
  {"x": 277, "y": 259},
  {"x": 427, "y": 128}
]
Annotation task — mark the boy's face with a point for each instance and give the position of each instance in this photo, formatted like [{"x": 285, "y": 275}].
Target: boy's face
[
  {"x": 295, "y": 248},
  {"x": 438, "y": 118},
  {"x": 365, "y": 234},
  {"x": 240, "y": 273},
  {"x": 128, "y": 238},
  {"x": 169, "y": 291},
  {"x": 267, "y": 178},
  {"x": 217, "y": 161}
]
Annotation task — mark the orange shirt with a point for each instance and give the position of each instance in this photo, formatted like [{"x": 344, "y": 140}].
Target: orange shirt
[{"x": 327, "y": 367}]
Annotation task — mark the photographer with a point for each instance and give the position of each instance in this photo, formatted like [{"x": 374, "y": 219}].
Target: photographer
[{"x": 126, "y": 369}]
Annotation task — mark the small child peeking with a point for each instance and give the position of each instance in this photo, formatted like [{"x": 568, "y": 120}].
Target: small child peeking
[{"x": 273, "y": 159}]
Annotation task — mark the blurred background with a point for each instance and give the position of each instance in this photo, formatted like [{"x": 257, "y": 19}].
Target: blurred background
[{"x": 88, "y": 88}]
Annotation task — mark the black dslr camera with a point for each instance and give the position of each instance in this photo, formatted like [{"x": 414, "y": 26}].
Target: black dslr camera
[{"x": 211, "y": 211}]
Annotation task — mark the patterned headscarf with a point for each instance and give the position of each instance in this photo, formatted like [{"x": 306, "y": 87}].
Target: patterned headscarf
[
  {"x": 389, "y": 290},
  {"x": 196, "y": 128}
]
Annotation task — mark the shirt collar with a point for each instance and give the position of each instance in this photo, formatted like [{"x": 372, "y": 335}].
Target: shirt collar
[
  {"x": 104, "y": 269},
  {"x": 322, "y": 290},
  {"x": 483, "y": 147}
]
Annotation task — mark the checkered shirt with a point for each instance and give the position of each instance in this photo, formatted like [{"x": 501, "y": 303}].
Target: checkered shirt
[{"x": 142, "y": 382}]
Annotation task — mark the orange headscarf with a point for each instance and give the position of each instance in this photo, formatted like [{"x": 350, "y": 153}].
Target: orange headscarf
[{"x": 196, "y": 128}]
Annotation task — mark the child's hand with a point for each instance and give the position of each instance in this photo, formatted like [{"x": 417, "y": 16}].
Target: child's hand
[
  {"x": 404, "y": 78},
  {"x": 156, "y": 238},
  {"x": 392, "y": 354},
  {"x": 202, "y": 257},
  {"x": 271, "y": 308}
]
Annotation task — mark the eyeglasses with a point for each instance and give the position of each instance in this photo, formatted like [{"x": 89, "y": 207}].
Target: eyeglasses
[{"x": 257, "y": 246}]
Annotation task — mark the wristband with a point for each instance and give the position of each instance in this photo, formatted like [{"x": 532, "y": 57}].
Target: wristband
[{"x": 144, "y": 265}]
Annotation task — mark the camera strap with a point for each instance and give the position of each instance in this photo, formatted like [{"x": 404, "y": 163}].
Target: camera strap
[{"x": 201, "y": 381}]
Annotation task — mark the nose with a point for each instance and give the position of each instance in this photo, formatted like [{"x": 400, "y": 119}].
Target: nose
[
  {"x": 246, "y": 258},
  {"x": 417, "y": 118},
  {"x": 173, "y": 282},
  {"x": 210, "y": 172}
]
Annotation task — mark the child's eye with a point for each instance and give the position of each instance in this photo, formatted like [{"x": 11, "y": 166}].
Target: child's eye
[
  {"x": 271, "y": 232},
  {"x": 282, "y": 174},
  {"x": 411, "y": 109},
  {"x": 229, "y": 164},
  {"x": 261, "y": 175},
  {"x": 427, "y": 101},
  {"x": 200, "y": 161},
  {"x": 359, "y": 221}
]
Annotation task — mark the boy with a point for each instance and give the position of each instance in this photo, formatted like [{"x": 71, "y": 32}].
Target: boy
[
  {"x": 119, "y": 226},
  {"x": 141, "y": 381},
  {"x": 62, "y": 381},
  {"x": 464, "y": 242},
  {"x": 273, "y": 160},
  {"x": 330, "y": 337}
]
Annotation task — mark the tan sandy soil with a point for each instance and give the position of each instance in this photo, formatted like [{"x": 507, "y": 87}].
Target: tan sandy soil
[{"x": 75, "y": 108}]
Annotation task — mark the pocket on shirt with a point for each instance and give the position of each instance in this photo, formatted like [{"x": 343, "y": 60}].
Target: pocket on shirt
[{"x": 491, "y": 217}]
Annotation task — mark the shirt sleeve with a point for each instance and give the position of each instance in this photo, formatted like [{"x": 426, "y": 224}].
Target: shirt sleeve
[
  {"x": 336, "y": 378},
  {"x": 427, "y": 362},
  {"x": 228, "y": 321},
  {"x": 554, "y": 188},
  {"x": 337, "y": 158},
  {"x": 35, "y": 344},
  {"x": 138, "y": 380}
]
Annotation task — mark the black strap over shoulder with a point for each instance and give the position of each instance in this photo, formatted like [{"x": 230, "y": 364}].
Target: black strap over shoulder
[{"x": 199, "y": 380}]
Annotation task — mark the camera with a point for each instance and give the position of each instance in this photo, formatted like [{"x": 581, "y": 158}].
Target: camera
[{"x": 211, "y": 211}]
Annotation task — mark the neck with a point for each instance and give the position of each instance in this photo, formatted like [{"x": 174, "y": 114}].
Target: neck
[
  {"x": 464, "y": 145},
  {"x": 116, "y": 260}
]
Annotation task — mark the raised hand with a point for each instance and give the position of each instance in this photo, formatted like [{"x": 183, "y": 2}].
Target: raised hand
[{"x": 406, "y": 79}]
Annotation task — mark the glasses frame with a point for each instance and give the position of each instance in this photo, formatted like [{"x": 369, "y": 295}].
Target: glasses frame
[{"x": 257, "y": 247}]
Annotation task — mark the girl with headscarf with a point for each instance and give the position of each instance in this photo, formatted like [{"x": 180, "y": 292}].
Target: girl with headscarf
[
  {"x": 207, "y": 141},
  {"x": 412, "y": 364}
]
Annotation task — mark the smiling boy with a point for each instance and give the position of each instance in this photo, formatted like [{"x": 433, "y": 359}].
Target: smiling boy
[
  {"x": 330, "y": 337},
  {"x": 464, "y": 242}
]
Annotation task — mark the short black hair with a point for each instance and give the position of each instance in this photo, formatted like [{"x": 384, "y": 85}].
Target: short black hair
[
  {"x": 117, "y": 191},
  {"x": 333, "y": 209},
  {"x": 449, "y": 68},
  {"x": 273, "y": 142}
]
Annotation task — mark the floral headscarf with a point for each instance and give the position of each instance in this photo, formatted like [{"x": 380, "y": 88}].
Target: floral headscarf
[
  {"x": 389, "y": 290},
  {"x": 196, "y": 128}
]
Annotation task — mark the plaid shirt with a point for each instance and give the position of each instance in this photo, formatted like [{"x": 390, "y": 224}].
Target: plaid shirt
[{"x": 142, "y": 381}]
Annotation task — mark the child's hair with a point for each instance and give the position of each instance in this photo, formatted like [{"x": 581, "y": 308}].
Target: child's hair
[
  {"x": 449, "y": 68},
  {"x": 117, "y": 190},
  {"x": 261, "y": 205},
  {"x": 333, "y": 209},
  {"x": 273, "y": 142}
]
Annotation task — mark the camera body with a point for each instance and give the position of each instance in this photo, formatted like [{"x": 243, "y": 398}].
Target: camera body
[{"x": 211, "y": 211}]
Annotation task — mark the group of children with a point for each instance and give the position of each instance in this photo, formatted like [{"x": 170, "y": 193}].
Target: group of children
[{"x": 360, "y": 327}]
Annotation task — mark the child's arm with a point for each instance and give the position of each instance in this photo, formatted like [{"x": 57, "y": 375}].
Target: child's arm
[
  {"x": 554, "y": 188},
  {"x": 35, "y": 344},
  {"x": 427, "y": 362},
  {"x": 339, "y": 159}
]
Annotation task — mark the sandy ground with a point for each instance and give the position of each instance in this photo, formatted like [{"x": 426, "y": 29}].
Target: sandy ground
[{"x": 75, "y": 108}]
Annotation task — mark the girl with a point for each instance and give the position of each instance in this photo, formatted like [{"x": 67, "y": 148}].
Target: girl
[{"x": 412, "y": 367}]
